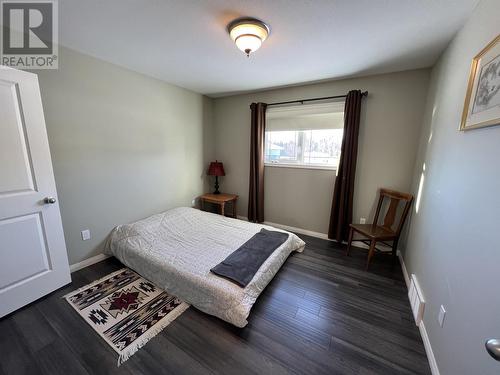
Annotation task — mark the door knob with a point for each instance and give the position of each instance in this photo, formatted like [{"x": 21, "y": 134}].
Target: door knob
[
  {"x": 49, "y": 200},
  {"x": 493, "y": 347}
]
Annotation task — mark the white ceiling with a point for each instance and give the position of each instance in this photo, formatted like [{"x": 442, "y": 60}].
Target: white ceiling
[{"x": 185, "y": 42}]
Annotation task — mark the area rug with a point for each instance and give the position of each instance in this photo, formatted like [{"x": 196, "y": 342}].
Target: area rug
[{"x": 126, "y": 310}]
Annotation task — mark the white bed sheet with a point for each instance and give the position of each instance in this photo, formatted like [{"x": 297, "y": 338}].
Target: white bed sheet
[{"x": 176, "y": 250}]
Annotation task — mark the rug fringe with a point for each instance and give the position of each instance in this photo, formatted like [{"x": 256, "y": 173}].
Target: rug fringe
[
  {"x": 66, "y": 296},
  {"x": 158, "y": 327}
]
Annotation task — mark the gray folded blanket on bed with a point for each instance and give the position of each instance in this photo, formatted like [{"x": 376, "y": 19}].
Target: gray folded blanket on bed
[{"x": 243, "y": 263}]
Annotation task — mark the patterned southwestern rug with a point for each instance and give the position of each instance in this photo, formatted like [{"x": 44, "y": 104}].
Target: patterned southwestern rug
[{"x": 126, "y": 310}]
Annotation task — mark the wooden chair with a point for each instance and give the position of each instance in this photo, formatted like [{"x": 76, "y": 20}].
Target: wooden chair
[{"x": 374, "y": 233}]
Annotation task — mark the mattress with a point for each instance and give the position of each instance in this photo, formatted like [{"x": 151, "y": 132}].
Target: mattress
[{"x": 176, "y": 250}]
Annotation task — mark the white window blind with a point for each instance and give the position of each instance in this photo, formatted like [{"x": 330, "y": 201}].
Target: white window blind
[{"x": 306, "y": 117}]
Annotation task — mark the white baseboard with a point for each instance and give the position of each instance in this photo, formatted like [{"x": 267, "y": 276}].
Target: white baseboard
[
  {"x": 311, "y": 233},
  {"x": 88, "y": 262},
  {"x": 423, "y": 332},
  {"x": 403, "y": 267},
  {"x": 289, "y": 228},
  {"x": 428, "y": 349},
  {"x": 307, "y": 232}
]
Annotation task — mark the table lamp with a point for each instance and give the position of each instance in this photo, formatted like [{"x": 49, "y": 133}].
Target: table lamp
[{"x": 216, "y": 169}]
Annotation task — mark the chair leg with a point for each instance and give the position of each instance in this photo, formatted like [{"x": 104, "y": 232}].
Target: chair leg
[
  {"x": 349, "y": 242},
  {"x": 395, "y": 251},
  {"x": 394, "y": 248},
  {"x": 370, "y": 253}
]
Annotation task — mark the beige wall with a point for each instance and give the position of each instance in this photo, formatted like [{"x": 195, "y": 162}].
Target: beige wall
[
  {"x": 452, "y": 245},
  {"x": 124, "y": 146},
  {"x": 390, "y": 128}
]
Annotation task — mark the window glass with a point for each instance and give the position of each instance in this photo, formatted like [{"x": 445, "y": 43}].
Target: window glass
[{"x": 308, "y": 136}]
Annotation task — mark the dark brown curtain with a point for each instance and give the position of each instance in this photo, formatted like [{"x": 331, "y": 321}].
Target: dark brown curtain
[
  {"x": 256, "y": 190},
  {"x": 341, "y": 214}
]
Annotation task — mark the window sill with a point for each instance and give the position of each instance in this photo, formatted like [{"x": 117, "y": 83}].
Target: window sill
[{"x": 300, "y": 166}]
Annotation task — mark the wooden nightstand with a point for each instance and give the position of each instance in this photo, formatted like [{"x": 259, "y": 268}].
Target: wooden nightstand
[{"x": 220, "y": 199}]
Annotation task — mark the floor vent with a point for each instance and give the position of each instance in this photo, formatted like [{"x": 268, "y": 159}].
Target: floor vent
[{"x": 416, "y": 300}]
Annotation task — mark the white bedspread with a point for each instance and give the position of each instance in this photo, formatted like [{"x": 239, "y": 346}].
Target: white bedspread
[{"x": 177, "y": 248}]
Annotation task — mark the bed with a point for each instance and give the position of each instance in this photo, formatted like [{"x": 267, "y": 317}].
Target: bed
[{"x": 176, "y": 250}]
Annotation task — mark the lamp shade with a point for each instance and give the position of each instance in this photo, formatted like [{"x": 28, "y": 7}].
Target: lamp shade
[{"x": 216, "y": 169}]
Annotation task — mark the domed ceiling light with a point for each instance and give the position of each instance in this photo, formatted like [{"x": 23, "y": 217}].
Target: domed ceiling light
[{"x": 248, "y": 34}]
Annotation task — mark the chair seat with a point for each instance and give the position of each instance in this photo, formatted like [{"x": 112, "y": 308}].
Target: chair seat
[{"x": 374, "y": 231}]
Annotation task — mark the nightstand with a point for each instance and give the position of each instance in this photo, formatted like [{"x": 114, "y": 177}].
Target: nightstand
[{"x": 221, "y": 200}]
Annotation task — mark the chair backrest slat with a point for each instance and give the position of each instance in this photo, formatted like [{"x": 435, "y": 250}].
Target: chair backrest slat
[
  {"x": 379, "y": 206},
  {"x": 390, "y": 216}
]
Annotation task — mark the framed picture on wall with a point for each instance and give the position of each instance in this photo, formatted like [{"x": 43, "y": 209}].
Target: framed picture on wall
[{"x": 482, "y": 101}]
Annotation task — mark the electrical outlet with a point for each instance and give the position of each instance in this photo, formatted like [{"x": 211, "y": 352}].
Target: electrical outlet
[
  {"x": 362, "y": 220},
  {"x": 441, "y": 315},
  {"x": 85, "y": 235}
]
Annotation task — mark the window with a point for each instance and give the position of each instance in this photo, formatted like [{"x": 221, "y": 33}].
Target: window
[{"x": 305, "y": 136}]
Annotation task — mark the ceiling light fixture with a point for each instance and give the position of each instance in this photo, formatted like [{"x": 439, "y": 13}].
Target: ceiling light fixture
[{"x": 248, "y": 34}]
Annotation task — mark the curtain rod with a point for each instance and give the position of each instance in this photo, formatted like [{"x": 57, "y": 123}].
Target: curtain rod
[{"x": 365, "y": 93}]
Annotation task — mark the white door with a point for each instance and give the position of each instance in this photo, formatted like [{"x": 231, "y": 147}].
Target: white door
[{"x": 33, "y": 259}]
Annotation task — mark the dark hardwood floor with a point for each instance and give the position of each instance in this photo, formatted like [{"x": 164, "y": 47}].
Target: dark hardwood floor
[{"x": 322, "y": 314}]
